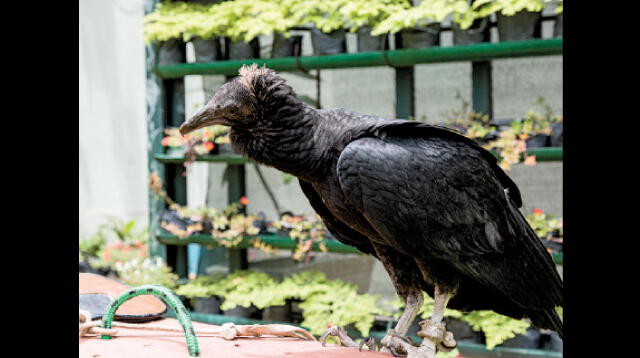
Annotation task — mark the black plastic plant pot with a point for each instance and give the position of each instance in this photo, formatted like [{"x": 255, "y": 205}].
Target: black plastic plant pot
[
  {"x": 463, "y": 332},
  {"x": 283, "y": 233},
  {"x": 478, "y": 32},
  {"x": 207, "y": 50},
  {"x": 554, "y": 343},
  {"x": 554, "y": 246},
  {"x": 242, "y": 50},
  {"x": 171, "y": 52},
  {"x": 538, "y": 141},
  {"x": 286, "y": 47},
  {"x": 239, "y": 311},
  {"x": 557, "y": 27},
  {"x": 523, "y": 25},
  {"x": 367, "y": 42},
  {"x": 278, "y": 313},
  {"x": 529, "y": 340},
  {"x": 172, "y": 217},
  {"x": 225, "y": 148},
  {"x": 215, "y": 150},
  {"x": 556, "y": 134},
  {"x": 328, "y": 44},
  {"x": 206, "y": 305},
  {"x": 419, "y": 37}
]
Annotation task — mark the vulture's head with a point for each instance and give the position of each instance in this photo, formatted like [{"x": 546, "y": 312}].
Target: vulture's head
[{"x": 255, "y": 96}]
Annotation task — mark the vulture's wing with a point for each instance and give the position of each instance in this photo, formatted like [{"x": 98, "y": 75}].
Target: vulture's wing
[
  {"x": 338, "y": 229},
  {"x": 433, "y": 195}
]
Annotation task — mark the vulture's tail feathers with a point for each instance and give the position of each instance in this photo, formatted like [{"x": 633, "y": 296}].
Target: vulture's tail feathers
[{"x": 547, "y": 319}]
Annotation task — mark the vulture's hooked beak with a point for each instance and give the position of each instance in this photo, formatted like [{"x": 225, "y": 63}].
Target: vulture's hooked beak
[{"x": 204, "y": 118}]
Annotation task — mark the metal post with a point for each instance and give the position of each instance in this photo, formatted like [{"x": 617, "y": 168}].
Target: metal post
[
  {"x": 155, "y": 128},
  {"x": 405, "y": 103},
  {"x": 175, "y": 173},
  {"x": 235, "y": 175},
  {"x": 481, "y": 84}
]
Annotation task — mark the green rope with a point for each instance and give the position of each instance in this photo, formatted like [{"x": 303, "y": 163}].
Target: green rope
[{"x": 169, "y": 298}]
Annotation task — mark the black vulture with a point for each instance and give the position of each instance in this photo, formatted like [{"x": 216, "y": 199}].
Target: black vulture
[{"x": 433, "y": 206}]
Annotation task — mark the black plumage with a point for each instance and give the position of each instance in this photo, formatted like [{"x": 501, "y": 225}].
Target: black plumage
[{"x": 433, "y": 206}]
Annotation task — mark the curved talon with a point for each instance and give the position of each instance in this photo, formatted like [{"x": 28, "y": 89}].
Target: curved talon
[
  {"x": 336, "y": 331},
  {"x": 448, "y": 343},
  {"x": 331, "y": 331},
  {"x": 370, "y": 342},
  {"x": 395, "y": 352}
]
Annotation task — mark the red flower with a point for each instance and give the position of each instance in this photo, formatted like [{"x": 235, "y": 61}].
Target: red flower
[
  {"x": 165, "y": 141},
  {"x": 537, "y": 211},
  {"x": 244, "y": 200},
  {"x": 209, "y": 145}
]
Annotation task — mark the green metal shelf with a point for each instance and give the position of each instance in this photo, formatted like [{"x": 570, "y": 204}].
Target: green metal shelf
[
  {"x": 546, "y": 153},
  {"x": 542, "y": 154},
  {"x": 277, "y": 241},
  {"x": 394, "y": 58}
]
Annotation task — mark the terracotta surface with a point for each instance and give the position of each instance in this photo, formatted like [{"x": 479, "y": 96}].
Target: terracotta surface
[
  {"x": 137, "y": 306},
  {"x": 155, "y": 344}
]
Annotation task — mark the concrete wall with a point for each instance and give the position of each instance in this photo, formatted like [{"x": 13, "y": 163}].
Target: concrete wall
[{"x": 112, "y": 124}]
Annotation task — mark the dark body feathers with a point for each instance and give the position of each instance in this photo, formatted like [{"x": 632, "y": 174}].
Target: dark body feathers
[{"x": 429, "y": 203}]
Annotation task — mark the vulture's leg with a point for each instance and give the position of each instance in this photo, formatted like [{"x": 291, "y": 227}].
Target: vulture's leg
[
  {"x": 413, "y": 304},
  {"x": 407, "y": 279},
  {"x": 433, "y": 332}
]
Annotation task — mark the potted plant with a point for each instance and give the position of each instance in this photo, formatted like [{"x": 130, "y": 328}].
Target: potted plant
[
  {"x": 418, "y": 26},
  {"x": 240, "y": 38},
  {"x": 284, "y": 43},
  {"x": 472, "y": 124},
  {"x": 163, "y": 26},
  {"x": 537, "y": 127},
  {"x": 328, "y": 31},
  {"x": 247, "y": 292},
  {"x": 470, "y": 22},
  {"x": 362, "y": 16},
  {"x": 112, "y": 242},
  {"x": 227, "y": 226},
  {"x": 284, "y": 46},
  {"x": 519, "y": 20},
  {"x": 324, "y": 301},
  {"x": 305, "y": 231},
  {"x": 146, "y": 271},
  {"x": 557, "y": 27},
  {"x": 548, "y": 229},
  {"x": 511, "y": 148},
  {"x": 208, "y": 140},
  {"x": 203, "y": 293},
  {"x": 203, "y": 28},
  {"x": 557, "y": 132}
]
